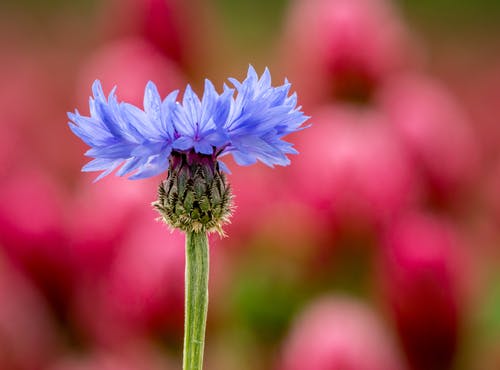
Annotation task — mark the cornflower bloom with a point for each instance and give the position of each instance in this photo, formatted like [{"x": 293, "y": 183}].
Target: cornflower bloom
[{"x": 188, "y": 138}]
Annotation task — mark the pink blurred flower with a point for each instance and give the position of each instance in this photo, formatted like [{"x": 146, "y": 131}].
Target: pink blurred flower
[
  {"x": 490, "y": 190},
  {"x": 290, "y": 226},
  {"x": 146, "y": 284},
  {"x": 101, "y": 216},
  {"x": 28, "y": 336},
  {"x": 421, "y": 269},
  {"x": 478, "y": 87},
  {"x": 32, "y": 229},
  {"x": 129, "y": 63},
  {"x": 339, "y": 334},
  {"x": 353, "y": 165},
  {"x": 156, "y": 21},
  {"x": 178, "y": 29},
  {"x": 143, "y": 291},
  {"x": 351, "y": 45},
  {"x": 31, "y": 107},
  {"x": 435, "y": 130},
  {"x": 25, "y": 81},
  {"x": 9, "y": 140},
  {"x": 254, "y": 189}
]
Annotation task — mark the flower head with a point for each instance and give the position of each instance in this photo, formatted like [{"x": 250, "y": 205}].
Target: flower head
[
  {"x": 188, "y": 137},
  {"x": 139, "y": 142}
]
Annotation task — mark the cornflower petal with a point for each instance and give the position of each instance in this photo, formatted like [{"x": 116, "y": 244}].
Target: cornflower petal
[
  {"x": 154, "y": 166},
  {"x": 183, "y": 143},
  {"x": 98, "y": 164},
  {"x": 203, "y": 147},
  {"x": 122, "y": 134},
  {"x": 152, "y": 102},
  {"x": 248, "y": 121},
  {"x": 260, "y": 116},
  {"x": 129, "y": 166}
]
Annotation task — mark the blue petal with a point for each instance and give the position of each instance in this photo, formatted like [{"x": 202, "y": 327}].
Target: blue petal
[
  {"x": 259, "y": 117},
  {"x": 152, "y": 102},
  {"x": 217, "y": 138},
  {"x": 139, "y": 120},
  {"x": 191, "y": 103},
  {"x": 168, "y": 106},
  {"x": 155, "y": 165},
  {"x": 250, "y": 126},
  {"x": 223, "y": 107},
  {"x": 183, "y": 123},
  {"x": 149, "y": 148},
  {"x": 110, "y": 169},
  {"x": 130, "y": 165},
  {"x": 208, "y": 104},
  {"x": 244, "y": 159},
  {"x": 203, "y": 147},
  {"x": 224, "y": 168},
  {"x": 98, "y": 164},
  {"x": 183, "y": 143},
  {"x": 121, "y": 150}
]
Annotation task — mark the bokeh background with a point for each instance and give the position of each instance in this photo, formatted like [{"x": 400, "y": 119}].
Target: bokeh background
[{"x": 377, "y": 249}]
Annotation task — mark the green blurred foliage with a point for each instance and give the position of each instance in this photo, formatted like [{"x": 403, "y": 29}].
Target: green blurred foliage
[
  {"x": 489, "y": 314},
  {"x": 455, "y": 11},
  {"x": 47, "y": 8},
  {"x": 265, "y": 294},
  {"x": 252, "y": 20}
]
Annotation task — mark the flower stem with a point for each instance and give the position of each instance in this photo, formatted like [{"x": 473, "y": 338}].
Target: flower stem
[{"x": 196, "y": 299}]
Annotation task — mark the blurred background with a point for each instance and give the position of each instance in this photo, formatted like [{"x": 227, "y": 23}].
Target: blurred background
[{"x": 377, "y": 249}]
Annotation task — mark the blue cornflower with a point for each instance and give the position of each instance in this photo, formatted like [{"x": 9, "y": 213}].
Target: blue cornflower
[
  {"x": 141, "y": 142},
  {"x": 188, "y": 137}
]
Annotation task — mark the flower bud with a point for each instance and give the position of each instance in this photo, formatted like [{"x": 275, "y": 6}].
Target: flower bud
[{"x": 195, "y": 197}]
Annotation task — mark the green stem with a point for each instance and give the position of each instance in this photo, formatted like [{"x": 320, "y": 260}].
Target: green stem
[{"x": 196, "y": 300}]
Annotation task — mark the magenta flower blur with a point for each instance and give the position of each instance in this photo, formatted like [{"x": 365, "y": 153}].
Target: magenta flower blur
[{"x": 139, "y": 142}]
